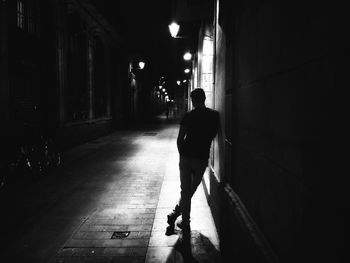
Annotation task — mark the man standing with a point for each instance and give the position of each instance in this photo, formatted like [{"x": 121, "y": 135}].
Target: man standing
[{"x": 197, "y": 130}]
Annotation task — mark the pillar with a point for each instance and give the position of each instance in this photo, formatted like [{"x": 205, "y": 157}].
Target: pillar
[
  {"x": 4, "y": 67},
  {"x": 90, "y": 76}
]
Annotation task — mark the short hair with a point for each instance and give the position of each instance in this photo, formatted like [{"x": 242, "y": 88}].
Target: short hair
[{"x": 198, "y": 95}]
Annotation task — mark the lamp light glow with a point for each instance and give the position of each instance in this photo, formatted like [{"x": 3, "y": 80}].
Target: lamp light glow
[
  {"x": 187, "y": 56},
  {"x": 174, "y": 29},
  {"x": 178, "y": 82},
  {"x": 141, "y": 64},
  {"x": 187, "y": 70}
]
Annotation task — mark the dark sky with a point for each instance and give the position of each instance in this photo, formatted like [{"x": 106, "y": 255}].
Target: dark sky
[{"x": 145, "y": 24}]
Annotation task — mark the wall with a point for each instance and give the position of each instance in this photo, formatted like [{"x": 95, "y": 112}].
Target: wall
[
  {"x": 103, "y": 76},
  {"x": 4, "y": 69},
  {"x": 34, "y": 71},
  {"x": 287, "y": 63}
]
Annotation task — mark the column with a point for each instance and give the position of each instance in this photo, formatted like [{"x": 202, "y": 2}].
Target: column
[
  {"x": 90, "y": 76},
  {"x": 61, "y": 76},
  {"x": 4, "y": 66},
  {"x": 108, "y": 67}
]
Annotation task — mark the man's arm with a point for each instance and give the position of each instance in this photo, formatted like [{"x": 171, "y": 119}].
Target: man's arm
[{"x": 181, "y": 138}]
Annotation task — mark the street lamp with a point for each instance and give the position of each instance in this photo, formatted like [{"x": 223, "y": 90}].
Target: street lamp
[
  {"x": 174, "y": 29},
  {"x": 141, "y": 64},
  {"x": 187, "y": 56}
]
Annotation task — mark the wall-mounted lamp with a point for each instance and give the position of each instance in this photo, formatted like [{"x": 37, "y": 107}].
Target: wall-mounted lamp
[
  {"x": 141, "y": 64},
  {"x": 187, "y": 56},
  {"x": 174, "y": 29}
]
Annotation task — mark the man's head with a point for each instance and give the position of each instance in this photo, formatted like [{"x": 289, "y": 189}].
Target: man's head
[{"x": 198, "y": 97}]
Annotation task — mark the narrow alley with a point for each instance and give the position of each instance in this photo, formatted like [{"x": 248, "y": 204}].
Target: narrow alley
[
  {"x": 97, "y": 96},
  {"x": 123, "y": 184}
]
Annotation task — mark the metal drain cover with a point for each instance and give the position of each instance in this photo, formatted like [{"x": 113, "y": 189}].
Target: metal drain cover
[
  {"x": 150, "y": 134},
  {"x": 120, "y": 234}
]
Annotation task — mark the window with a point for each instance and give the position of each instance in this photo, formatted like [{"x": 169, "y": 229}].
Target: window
[
  {"x": 76, "y": 92},
  {"x": 27, "y": 15},
  {"x": 20, "y": 14},
  {"x": 30, "y": 21},
  {"x": 100, "y": 85}
]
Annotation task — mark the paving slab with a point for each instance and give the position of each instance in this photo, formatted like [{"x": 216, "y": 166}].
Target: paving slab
[{"x": 123, "y": 186}]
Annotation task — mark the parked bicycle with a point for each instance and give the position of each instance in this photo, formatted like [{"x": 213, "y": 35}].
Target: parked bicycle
[
  {"x": 35, "y": 157},
  {"x": 30, "y": 156}
]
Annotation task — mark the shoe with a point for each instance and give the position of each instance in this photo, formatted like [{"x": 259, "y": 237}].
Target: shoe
[
  {"x": 173, "y": 216},
  {"x": 170, "y": 230},
  {"x": 183, "y": 226}
]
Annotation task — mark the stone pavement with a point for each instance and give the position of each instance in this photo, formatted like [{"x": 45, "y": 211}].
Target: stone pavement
[{"x": 112, "y": 202}]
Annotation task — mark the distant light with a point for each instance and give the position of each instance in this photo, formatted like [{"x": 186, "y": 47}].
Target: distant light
[
  {"x": 184, "y": 81},
  {"x": 187, "y": 70},
  {"x": 174, "y": 29},
  {"x": 166, "y": 93},
  {"x": 163, "y": 90},
  {"x": 141, "y": 64},
  {"x": 178, "y": 82},
  {"x": 187, "y": 56},
  {"x": 160, "y": 86}
]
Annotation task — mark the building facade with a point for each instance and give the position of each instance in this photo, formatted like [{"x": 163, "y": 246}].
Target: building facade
[
  {"x": 271, "y": 71},
  {"x": 63, "y": 67}
]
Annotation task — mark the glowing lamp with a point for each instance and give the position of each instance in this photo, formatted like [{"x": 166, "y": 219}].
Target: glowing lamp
[
  {"x": 141, "y": 64},
  {"x": 174, "y": 29},
  {"x": 187, "y": 56}
]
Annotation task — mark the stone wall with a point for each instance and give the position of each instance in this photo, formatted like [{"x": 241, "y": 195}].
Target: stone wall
[{"x": 288, "y": 62}]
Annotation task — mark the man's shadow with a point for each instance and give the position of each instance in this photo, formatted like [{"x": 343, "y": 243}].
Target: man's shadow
[{"x": 195, "y": 247}]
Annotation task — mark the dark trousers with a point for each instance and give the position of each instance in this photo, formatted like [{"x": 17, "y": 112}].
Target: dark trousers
[{"x": 191, "y": 174}]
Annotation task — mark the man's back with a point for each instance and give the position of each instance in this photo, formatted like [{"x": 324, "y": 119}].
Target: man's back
[{"x": 201, "y": 126}]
